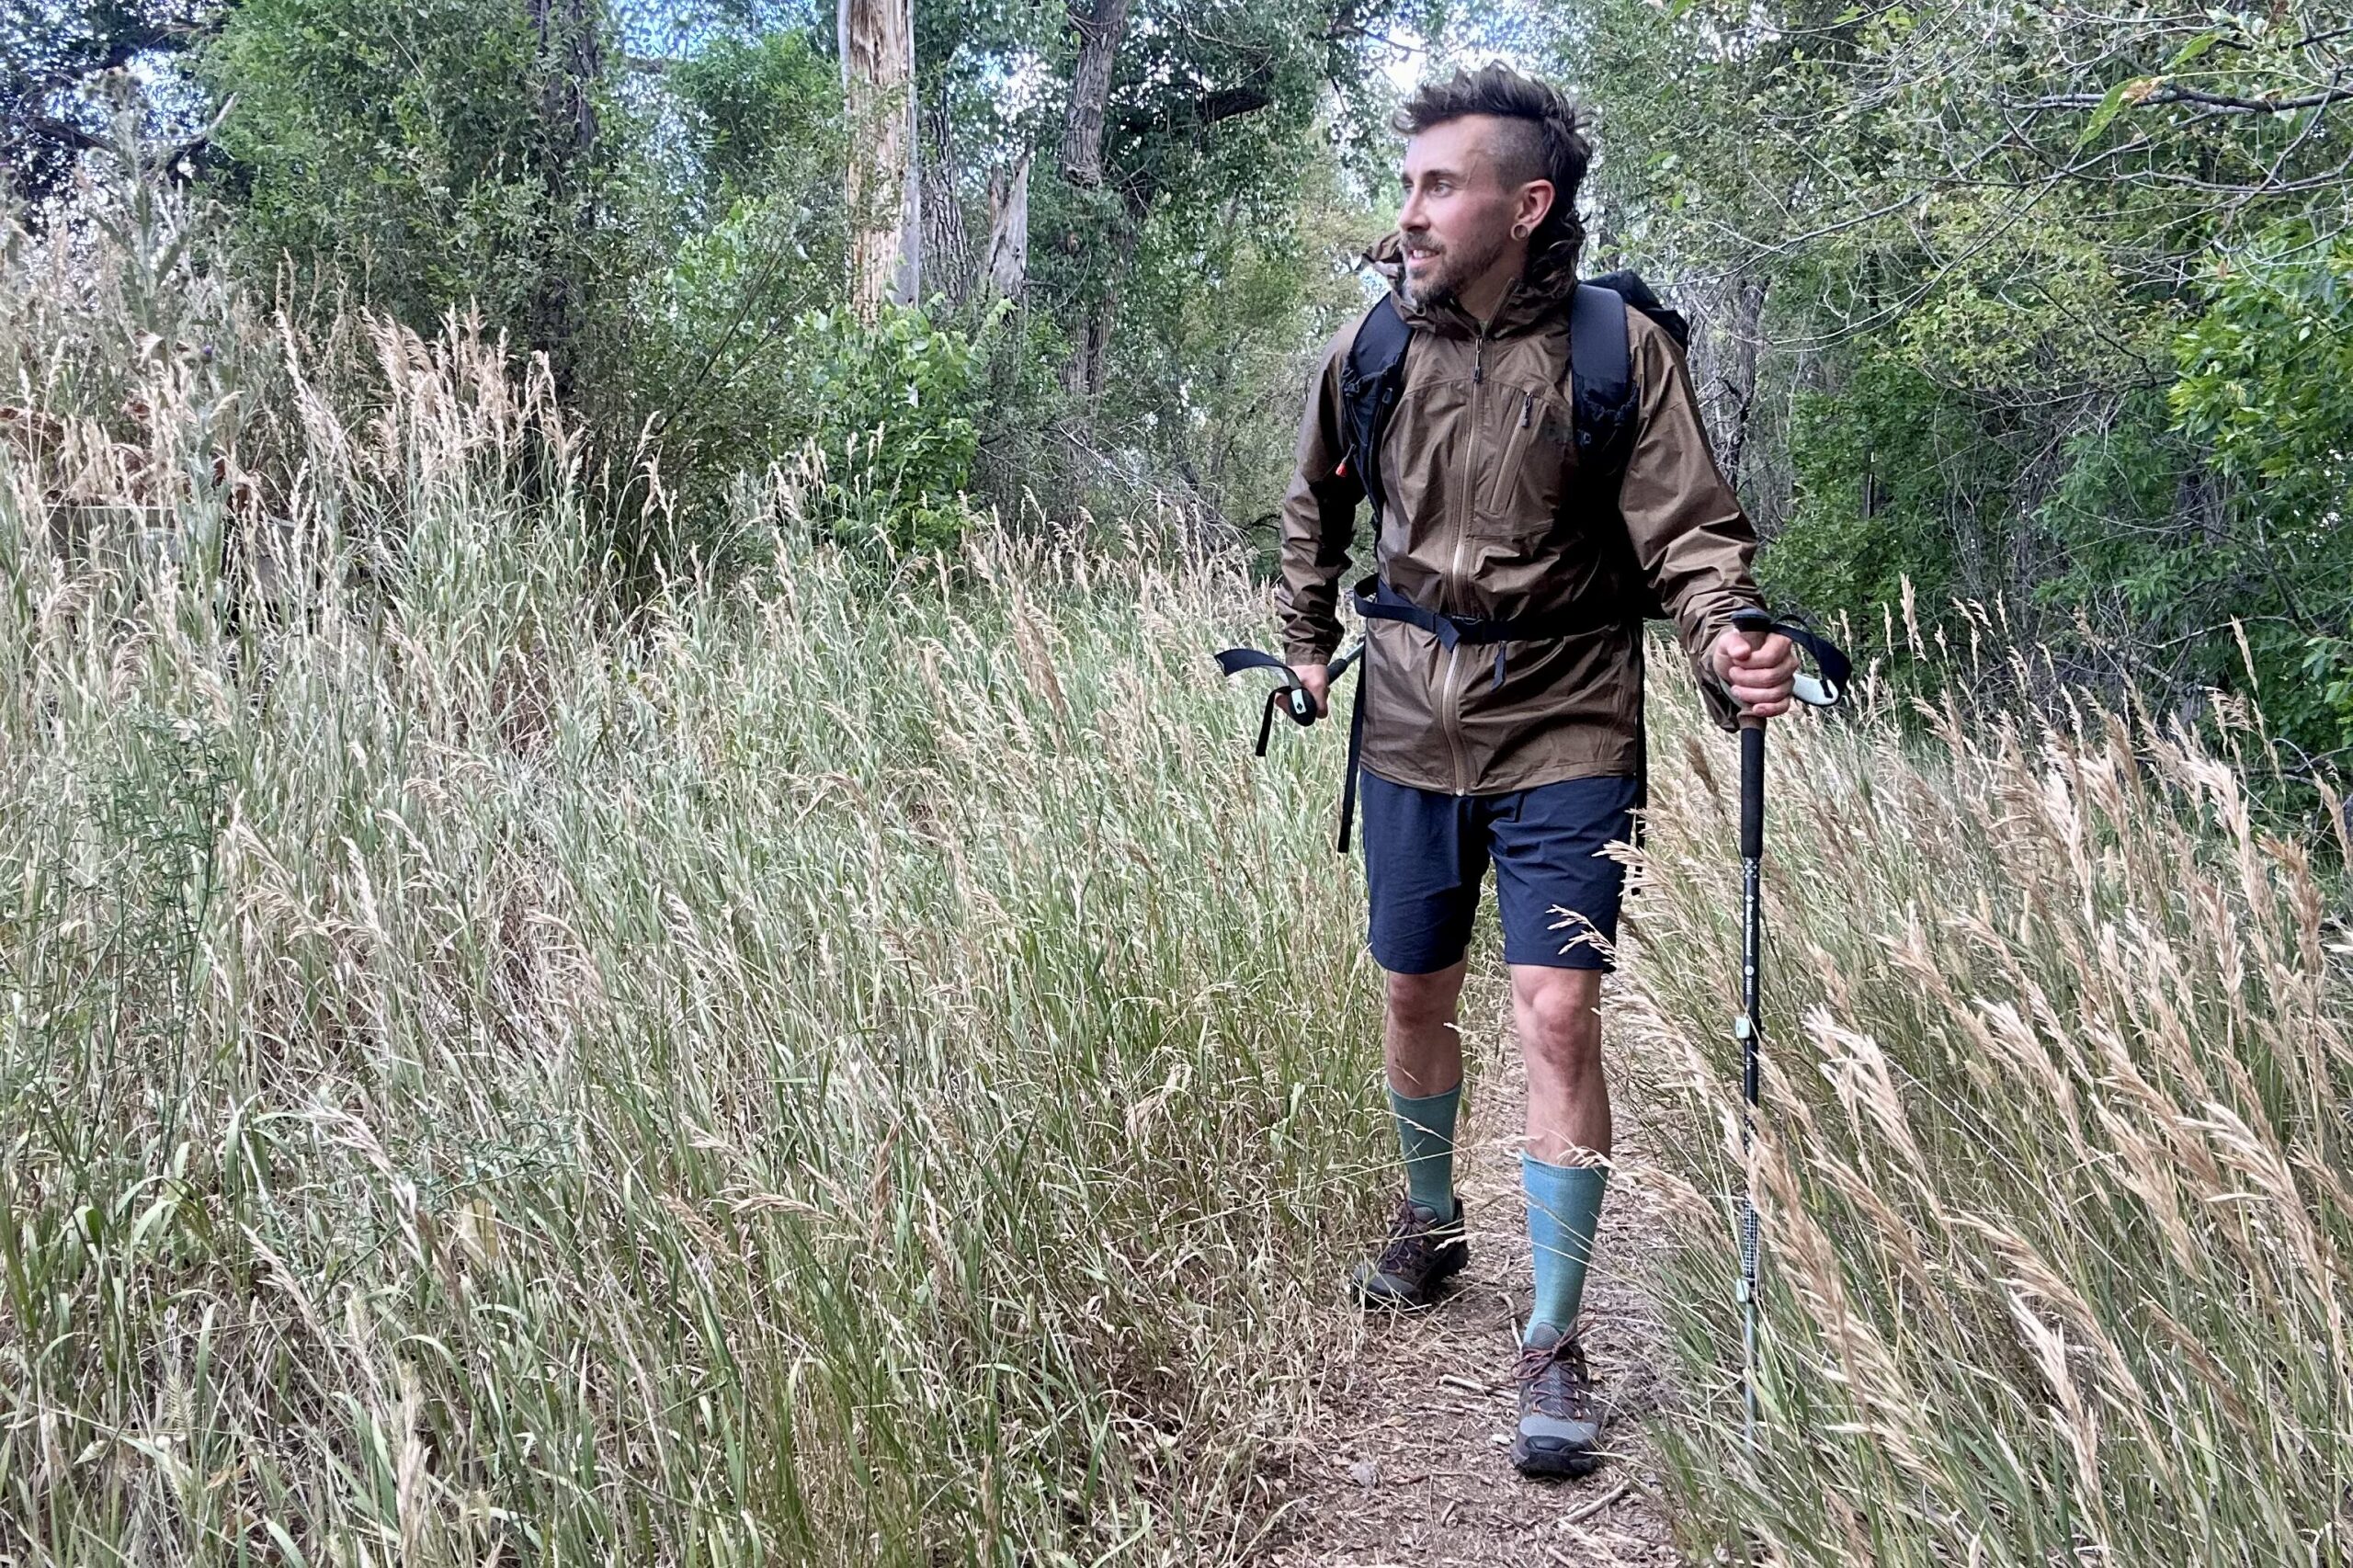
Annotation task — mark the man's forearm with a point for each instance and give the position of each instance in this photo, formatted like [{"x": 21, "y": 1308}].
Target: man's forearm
[{"x": 1308, "y": 598}]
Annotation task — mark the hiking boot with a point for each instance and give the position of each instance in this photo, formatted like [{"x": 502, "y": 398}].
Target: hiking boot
[
  {"x": 1559, "y": 1429},
  {"x": 1421, "y": 1253}
]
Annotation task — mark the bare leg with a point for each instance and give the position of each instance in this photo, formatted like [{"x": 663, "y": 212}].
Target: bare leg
[
  {"x": 1420, "y": 1044},
  {"x": 1559, "y": 1015},
  {"x": 1423, "y": 1052}
]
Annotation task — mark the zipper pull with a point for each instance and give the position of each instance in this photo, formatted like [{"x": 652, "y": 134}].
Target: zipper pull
[
  {"x": 1479, "y": 359},
  {"x": 1526, "y": 407}
]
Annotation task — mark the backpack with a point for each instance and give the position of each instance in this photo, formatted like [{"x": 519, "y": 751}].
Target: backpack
[{"x": 1603, "y": 405}]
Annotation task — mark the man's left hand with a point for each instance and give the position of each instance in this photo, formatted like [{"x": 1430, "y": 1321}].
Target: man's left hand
[{"x": 1757, "y": 670}]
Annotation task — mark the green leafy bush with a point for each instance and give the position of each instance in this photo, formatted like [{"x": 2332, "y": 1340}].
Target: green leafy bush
[
  {"x": 1875, "y": 463},
  {"x": 399, "y": 149},
  {"x": 2217, "y": 499},
  {"x": 2266, "y": 388},
  {"x": 893, "y": 410}
]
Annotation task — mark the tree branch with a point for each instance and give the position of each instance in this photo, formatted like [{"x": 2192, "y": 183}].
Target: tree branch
[
  {"x": 63, "y": 130},
  {"x": 2222, "y": 103},
  {"x": 1231, "y": 104}
]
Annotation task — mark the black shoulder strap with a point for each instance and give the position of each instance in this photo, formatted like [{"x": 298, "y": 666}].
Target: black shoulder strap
[
  {"x": 1607, "y": 416},
  {"x": 1371, "y": 384},
  {"x": 1602, "y": 373}
]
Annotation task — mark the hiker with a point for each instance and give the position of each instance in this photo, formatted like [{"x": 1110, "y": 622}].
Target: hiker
[{"x": 1502, "y": 688}]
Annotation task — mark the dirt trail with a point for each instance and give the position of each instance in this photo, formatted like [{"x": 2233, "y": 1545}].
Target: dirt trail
[{"x": 1407, "y": 1466}]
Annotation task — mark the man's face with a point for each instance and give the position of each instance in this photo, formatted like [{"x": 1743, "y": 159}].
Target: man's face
[{"x": 1458, "y": 214}]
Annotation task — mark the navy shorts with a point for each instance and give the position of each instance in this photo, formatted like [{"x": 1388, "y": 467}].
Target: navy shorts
[{"x": 1426, "y": 853}]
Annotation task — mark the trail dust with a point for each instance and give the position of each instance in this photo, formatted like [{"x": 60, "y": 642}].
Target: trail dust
[{"x": 1404, "y": 1463}]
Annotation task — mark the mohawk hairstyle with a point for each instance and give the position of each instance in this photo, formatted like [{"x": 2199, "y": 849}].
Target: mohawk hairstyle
[{"x": 1542, "y": 137}]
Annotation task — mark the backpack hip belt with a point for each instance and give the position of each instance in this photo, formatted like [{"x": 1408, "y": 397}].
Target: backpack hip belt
[{"x": 1376, "y": 600}]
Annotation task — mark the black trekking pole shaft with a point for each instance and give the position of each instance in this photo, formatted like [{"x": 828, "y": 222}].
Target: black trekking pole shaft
[{"x": 1751, "y": 1042}]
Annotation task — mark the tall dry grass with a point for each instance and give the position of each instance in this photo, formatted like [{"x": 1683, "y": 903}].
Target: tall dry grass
[
  {"x": 811, "y": 1072},
  {"x": 2055, "y": 1159}
]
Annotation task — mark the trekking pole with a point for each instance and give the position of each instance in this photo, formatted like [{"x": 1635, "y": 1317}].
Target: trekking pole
[
  {"x": 1815, "y": 692},
  {"x": 1745, "y": 1029},
  {"x": 1288, "y": 697},
  {"x": 1291, "y": 699}
]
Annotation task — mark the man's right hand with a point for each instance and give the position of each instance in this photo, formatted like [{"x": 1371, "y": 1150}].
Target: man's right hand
[{"x": 1317, "y": 679}]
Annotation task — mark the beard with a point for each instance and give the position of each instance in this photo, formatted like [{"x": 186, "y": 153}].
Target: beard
[{"x": 1455, "y": 267}]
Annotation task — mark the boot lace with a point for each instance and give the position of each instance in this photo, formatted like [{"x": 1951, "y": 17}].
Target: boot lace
[
  {"x": 1554, "y": 1379},
  {"x": 1413, "y": 1242}
]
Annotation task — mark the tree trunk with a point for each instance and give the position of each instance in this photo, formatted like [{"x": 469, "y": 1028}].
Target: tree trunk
[
  {"x": 1102, "y": 24},
  {"x": 571, "y": 60},
  {"x": 1740, "y": 370},
  {"x": 878, "y": 45},
  {"x": 1090, "y": 360},
  {"x": 947, "y": 248},
  {"x": 1007, "y": 264}
]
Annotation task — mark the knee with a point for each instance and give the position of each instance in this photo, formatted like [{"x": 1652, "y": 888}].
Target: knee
[
  {"x": 1423, "y": 1001},
  {"x": 1559, "y": 1015}
]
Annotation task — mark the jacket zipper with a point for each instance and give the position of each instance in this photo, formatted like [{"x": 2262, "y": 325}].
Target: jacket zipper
[{"x": 1451, "y": 711}]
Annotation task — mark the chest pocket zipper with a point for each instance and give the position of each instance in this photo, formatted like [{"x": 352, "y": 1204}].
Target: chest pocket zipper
[{"x": 1500, "y": 511}]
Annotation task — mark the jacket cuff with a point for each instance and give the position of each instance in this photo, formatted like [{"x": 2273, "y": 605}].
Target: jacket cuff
[
  {"x": 1298, "y": 654},
  {"x": 1722, "y": 709}
]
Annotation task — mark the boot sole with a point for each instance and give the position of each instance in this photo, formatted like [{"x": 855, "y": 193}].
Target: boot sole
[{"x": 1551, "y": 1464}]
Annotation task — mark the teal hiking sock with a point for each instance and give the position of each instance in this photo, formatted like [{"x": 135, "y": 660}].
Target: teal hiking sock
[
  {"x": 1564, "y": 1206},
  {"x": 1426, "y": 1135}
]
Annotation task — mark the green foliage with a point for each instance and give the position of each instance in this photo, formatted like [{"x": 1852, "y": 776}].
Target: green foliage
[
  {"x": 660, "y": 251},
  {"x": 2220, "y": 497},
  {"x": 399, "y": 148},
  {"x": 2266, "y": 390},
  {"x": 663, "y": 234},
  {"x": 2018, "y": 204},
  {"x": 2266, "y": 380},
  {"x": 1208, "y": 384},
  {"x": 1877, "y": 465},
  {"x": 739, "y": 202},
  {"x": 894, "y": 415},
  {"x": 758, "y": 111}
]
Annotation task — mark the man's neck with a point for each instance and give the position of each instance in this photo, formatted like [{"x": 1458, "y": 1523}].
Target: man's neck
[{"x": 1483, "y": 297}]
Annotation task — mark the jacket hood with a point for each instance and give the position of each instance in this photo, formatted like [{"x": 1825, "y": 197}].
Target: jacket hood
[{"x": 1541, "y": 295}]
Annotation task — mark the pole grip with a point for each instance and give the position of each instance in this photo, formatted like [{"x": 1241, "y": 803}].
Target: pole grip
[{"x": 1752, "y": 789}]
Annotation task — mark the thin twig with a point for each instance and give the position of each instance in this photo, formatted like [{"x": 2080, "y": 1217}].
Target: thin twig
[{"x": 1584, "y": 1511}]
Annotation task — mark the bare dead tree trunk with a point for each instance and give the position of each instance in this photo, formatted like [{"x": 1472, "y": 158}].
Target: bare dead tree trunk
[
  {"x": 947, "y": 247},
  {"x": 1006, "y": 266},
  {"x": 1101, "y": 25},
  {"x": 878, "y": 45}
]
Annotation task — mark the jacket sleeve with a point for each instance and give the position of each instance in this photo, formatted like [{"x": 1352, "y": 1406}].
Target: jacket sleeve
[
  {"x": 1691, "y": 537},
  {"x": 1319, "y": 518}
]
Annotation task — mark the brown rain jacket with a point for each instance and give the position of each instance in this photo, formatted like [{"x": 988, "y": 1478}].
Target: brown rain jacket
[{"x": 1480, "y": 471}]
